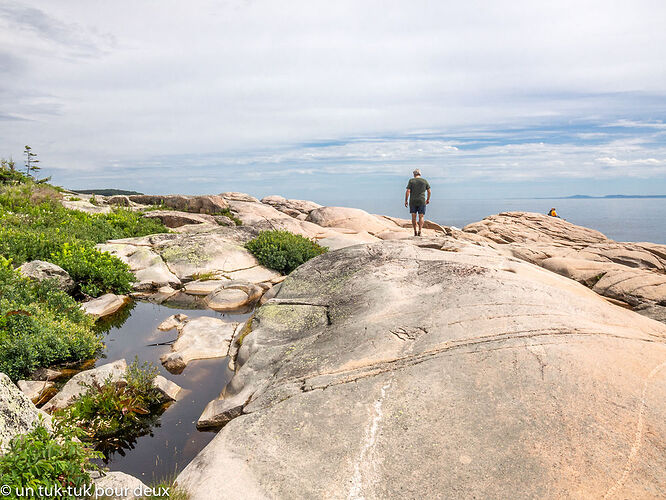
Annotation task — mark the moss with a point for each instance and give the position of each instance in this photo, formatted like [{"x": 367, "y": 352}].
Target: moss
[
  {"x": 247, "y": 329},
  {"x": 287, "y": 317},
  {"x": 193, "y": 254}
]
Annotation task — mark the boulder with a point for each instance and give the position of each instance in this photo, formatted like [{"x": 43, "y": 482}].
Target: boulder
[
  {"x": 172, "y": 322},
  {"x": 234, "y": 196},
  {"x": 105, "y": 305},
  {"x": 234, "y": 295},
  {"x": 78, "y": 384},
  {"x": 35, "y": 389},
  {"x": 18, "y": 414},
  {"x": 251, "y": 213},
  {"x": 118, "y": 486},
  {"x": 199, "y": 338},
  {"x": 352, "y": 218},
  {"x": 293, "y": 208},
  {"x": 46, "y": 374},
  {"x": 172, "y": 218},
  {"x": 168, "y": 389},
  {"x": 40, "y": 270},
  {"x": 476, "y": 373},
  {"x": 119, "y": 200},
  {"x": 205, "y": 204}
]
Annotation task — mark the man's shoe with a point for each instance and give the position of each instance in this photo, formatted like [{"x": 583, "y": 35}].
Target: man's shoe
[{"x": 419, "y": 233}]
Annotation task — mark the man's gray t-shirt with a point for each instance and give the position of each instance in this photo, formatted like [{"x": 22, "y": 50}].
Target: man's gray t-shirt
[{"x": 417, "y": 191}]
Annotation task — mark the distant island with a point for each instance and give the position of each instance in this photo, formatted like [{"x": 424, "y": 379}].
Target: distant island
[
  {"x": 106, "y": 192},
  {"x": 606, "y": 197},
  {"x": 585, "y": 196}
]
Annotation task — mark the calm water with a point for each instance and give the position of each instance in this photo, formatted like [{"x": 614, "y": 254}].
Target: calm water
[
  {"x": 175, "y": 441},
  {"x": 628, "y": 219}
]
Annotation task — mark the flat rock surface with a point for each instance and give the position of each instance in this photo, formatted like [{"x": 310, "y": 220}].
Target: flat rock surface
[
  {"x": 119, "y": 486},
  {"x": 199, "y": 338},
  {"x": 394, "y": 371},
  {"x": 105, "y": 305}
]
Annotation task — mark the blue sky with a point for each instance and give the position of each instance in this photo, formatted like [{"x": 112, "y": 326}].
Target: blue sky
[{"x": 339, "y": 101}]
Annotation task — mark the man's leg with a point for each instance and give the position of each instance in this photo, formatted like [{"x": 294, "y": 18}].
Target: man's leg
[
  {"x": 414, "y": 222},
  {"x": 420, "y": 223}
]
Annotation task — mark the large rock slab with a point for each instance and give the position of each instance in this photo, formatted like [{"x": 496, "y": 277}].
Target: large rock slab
[
  {"x": 352, "y": 218},
  {"x": 194, "y": 253},
  {"x": 476, "y": 373},
  {"x": 78, "y": 384},
  {"x": 205, "y": 204},
  {"x": 199, "y": 338},
  {"x": 41, "y": 270},
  {"x": 105, "y": 305},
  {"x": 527, "y": 227},
  {"x": 634, "y": 273},
  {"x": 294, "y": 208},
  {"x": 18, "y": 414},
  {"x": 173, "y": 218}
]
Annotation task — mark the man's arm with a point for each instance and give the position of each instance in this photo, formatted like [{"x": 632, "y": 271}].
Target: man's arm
[
  {"x": 406, "y": 196},
  {"x": 428, "y": 200}
]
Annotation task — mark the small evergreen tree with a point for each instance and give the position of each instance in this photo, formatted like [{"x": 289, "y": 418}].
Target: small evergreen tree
[{"x": 30, "y": 160}]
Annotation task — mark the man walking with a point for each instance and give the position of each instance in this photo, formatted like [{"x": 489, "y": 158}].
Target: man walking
[{"x": 416, "y": 198}]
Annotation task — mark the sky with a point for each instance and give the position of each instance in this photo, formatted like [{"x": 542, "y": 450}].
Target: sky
[{"x": 338, "y": 101}]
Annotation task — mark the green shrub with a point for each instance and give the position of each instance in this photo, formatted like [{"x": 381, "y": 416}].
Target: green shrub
[
  {"x": 48, "y": 460},
  {"x": 40, "y": 325},
  {"x": 282, "y": 250},
  {"x": 112, "y": 414},
  {"x": 96, "y": 272}
]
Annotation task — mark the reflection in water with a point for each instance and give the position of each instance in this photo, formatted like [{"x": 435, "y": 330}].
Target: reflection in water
[{"x": 171, "y": 440}]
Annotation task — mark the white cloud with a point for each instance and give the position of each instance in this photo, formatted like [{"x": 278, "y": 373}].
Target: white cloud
[{"x": 90, "y": 84}]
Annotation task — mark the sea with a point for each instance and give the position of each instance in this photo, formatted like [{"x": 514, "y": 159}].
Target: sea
[{"x": 621, "y": 219}]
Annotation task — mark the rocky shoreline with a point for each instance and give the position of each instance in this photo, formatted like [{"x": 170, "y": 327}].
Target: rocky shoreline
[{"x": 504, "y": 356}]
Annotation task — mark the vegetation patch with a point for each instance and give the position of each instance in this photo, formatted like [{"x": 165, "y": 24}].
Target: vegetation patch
[
  {"x": 113, "y": 415},
  {"x": 40, "y": 325},
  {"x": 47, "y": 460},
  {"x": 282, "y": 250},
  {"x": 34, "y": 225}
]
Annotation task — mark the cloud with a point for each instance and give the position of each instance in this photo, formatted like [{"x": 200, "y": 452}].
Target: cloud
[{"x": 491, "y": 90}]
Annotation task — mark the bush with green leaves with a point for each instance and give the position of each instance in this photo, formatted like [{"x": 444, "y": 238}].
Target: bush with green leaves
[
  {"x": 282, "y": 250},
  {"x": 96, "y": 272},
  {"x": 34, "y": 225},
  {"x": 49, "y": 460},
  {"x": 111, "y": 415},
  {"x": 40, "y": 325}
]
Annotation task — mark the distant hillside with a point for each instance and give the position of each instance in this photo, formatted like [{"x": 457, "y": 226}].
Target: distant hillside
[{"x": 105, "y": 192}]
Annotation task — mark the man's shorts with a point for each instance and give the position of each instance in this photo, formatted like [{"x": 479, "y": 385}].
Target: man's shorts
[{"x": 417, "y": 209}]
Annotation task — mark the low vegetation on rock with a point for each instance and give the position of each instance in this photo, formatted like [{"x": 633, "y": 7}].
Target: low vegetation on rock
[
  {"x": 282, "y": 250},
  {"x": 112, "y": 415},
  {"x": 49, "y": 460},
  {"x": 40, "y": 325},
  {"x": 36, "y": 226}
]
